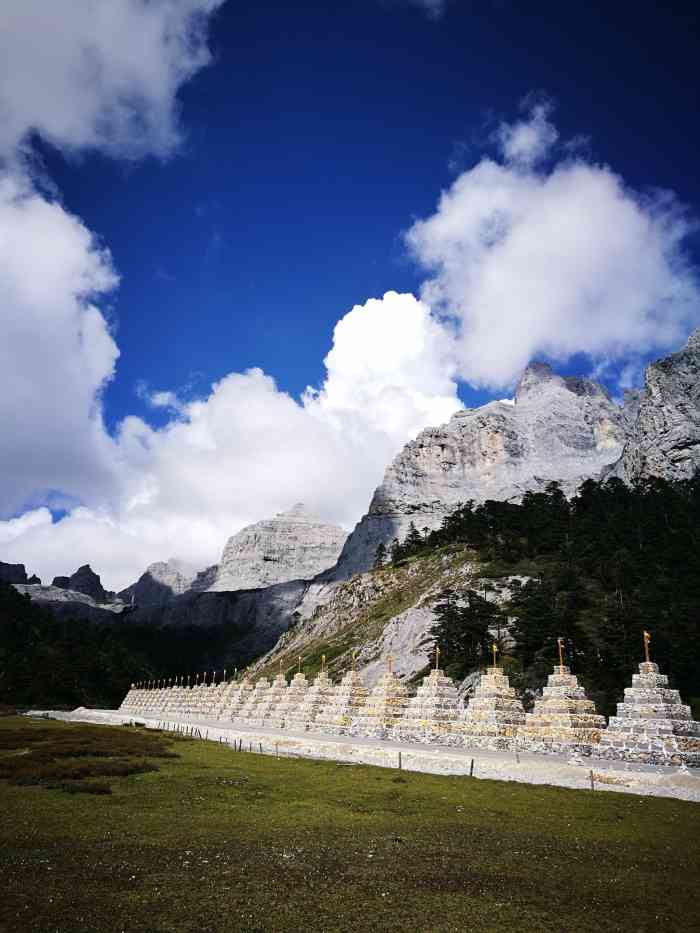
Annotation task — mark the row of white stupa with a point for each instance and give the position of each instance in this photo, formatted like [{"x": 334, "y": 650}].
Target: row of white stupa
[{"x": 652, "y": 724}]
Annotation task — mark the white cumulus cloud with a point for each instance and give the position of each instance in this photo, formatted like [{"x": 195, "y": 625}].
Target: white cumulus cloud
[
  {"x": 527, "y": 261},
  {"x": 100, "y": 74},
  {"x": 249, "y": 450}
]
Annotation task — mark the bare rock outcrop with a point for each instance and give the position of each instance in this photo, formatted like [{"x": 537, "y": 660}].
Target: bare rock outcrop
[
  {"x": 12, "y": 573},
  {"x": 294, "y": 545},
  {"x": 85, "y": 581},
  {"x": 664, "y": 440},
  {"x": 160, "y": 582},
  {"x": 561, "y": 428}
]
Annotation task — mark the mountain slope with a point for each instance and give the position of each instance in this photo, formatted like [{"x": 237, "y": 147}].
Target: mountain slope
[{"x": 563, "y": 429}]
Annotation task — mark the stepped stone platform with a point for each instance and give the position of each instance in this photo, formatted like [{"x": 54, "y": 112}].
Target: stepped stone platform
[
  {"x": 652, "y": 724},
  {"x": 345, "y": 701},
  {"x": 292, "y": 699},
  {"x": 238, "y": 698},
  {"x": 494, "y": 714},
  {"x": 315, "y": 700},
  {"x": 249, "y": 710},
  {"x": 229, "y": 690},
  {"x": 433, "y": 714},
  {"x": 383, "y": 708},
  {"x": 272, "y": 697},
  {"x": 563, "y": 718}
]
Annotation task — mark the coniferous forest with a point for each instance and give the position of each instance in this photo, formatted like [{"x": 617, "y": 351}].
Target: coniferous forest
[{"x": 596, "y": 570}]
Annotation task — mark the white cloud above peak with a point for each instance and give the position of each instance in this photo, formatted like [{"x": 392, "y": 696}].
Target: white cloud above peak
[{"x": 528, "y": 261}]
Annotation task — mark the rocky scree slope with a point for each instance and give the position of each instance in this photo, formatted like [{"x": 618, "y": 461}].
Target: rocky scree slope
[{"x": 381, "y": 613}]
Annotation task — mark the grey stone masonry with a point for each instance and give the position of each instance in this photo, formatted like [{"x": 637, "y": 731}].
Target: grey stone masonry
[
  {"x": 271, "y": 700},
  {"x": 249, "y": 710},
  {"x": 562, "y": 719},
  {"x": 346, "y": 699},
  {"x": 494, "y": 713},
  {"x": 315, "y": 700},
  {"x": 652, "y": 723},
  {"x": 383, "y": 708},
  {"x": 238, "y": 699},
  {"x": 433, "y": 714},
  {"x": 290, "y": 703}
]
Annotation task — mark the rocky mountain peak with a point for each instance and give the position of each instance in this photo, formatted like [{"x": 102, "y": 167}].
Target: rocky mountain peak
[
  {"x": 297, "y": 513},
  {"x": 560, "y": 428},
  {"x": 294, "y": 545},
  {"x": 160, "y": 582},
  {"x": 84, "y": 581},
  {"x": 533, "y": 378}
]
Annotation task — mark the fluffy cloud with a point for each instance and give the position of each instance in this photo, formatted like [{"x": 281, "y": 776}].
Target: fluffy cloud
[
  {"x": 249, "y": 450},
  {"x": 56, "y": 351},
  {"x": 529, "y": 261},
  {"x": 98, "y": 74}
]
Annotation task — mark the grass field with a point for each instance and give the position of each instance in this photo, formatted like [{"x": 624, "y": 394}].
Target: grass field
[{"x": 212, "y": 840}]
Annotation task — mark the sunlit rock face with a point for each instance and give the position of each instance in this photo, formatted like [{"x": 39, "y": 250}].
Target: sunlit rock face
[
  {"x": 665, "y": 438},
  {"x": 557, "y": 428},
  {"x": 294, "y": 545}
]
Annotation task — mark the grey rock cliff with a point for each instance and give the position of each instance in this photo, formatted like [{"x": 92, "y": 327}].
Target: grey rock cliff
[
  {"x": 665, "y": 438},
  {"x": 293, "y": 545},
  {"x": 559, "y": 428},
  {"x": 12, "y": 573},
  {"x": 160, "y": 583},
  {"x": 85, "y": 581}
]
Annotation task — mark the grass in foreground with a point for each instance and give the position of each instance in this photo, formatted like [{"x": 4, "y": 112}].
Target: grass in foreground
[{"x": 216, "y": 840}]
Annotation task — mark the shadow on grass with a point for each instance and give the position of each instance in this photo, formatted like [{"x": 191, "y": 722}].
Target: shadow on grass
[{"x": 68, "y": 758}]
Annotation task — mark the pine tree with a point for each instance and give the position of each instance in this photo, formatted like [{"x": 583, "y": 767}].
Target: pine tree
[{"x": 380, "y": 555}]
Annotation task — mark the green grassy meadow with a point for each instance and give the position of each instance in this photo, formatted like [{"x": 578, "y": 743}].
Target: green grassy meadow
[{"x": 187, "y": 835}]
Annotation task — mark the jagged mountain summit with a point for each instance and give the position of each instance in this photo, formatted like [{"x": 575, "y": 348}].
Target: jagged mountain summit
[
  {"x": 561, "y": 428},
  {"x": 160, "y": 582},
  {"x": 294, "y": 545},
  {"x": 84, "y": 581}
]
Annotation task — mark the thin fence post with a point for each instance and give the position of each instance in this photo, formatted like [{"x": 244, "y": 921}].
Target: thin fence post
[
  {"x": 260, "y": 747},
  {"x": 399, "y": 761},
  {"x": 592, "y": 781},
  {"x": 471, "y": 769}
]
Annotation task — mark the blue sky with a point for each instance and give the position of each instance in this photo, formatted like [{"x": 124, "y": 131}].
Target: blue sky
[
  {"x": 317, "y": 136},
  {"x": 206, "y": 207}
]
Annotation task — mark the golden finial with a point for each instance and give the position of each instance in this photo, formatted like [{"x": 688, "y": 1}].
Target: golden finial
[
  {"x": 197, "y": 680},
  {"x": 389, "y": 663},
  {"x": 299, "y": 664},
  {"x": 560, "y": 644},
  {"x": 224, "y": 675},
  {"x": 280, "y": 669},
  {"x": 323, "y": 663},
  {"x": 354, "y": 660},
  {"x": 494, "y": 649},
  {"x": 437, "y": 657},
  {"x": 647, "y": 640}
]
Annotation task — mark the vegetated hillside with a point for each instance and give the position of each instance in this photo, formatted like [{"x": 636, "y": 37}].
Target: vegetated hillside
[
  {"x": 47, "y": 661},
  {"x": 596, "y": 570}
]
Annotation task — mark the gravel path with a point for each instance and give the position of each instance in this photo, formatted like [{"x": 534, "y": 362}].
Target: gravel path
[{"x": 503, "y": 766}]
